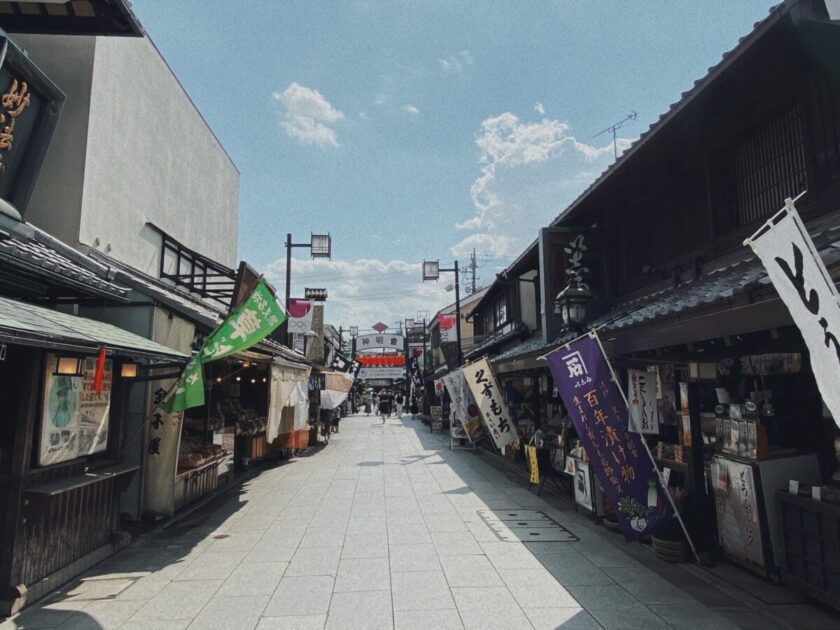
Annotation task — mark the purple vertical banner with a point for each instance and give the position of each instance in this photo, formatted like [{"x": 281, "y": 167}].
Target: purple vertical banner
[{"x": 597, "y": 408}]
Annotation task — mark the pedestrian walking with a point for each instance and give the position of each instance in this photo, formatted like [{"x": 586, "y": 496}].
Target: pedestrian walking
[
  {"x": 414, "y": 406},
  {"x": 384, "y": 405},
  {"x": 399, "y": 401},
  {"x": 376, "y": 401}
]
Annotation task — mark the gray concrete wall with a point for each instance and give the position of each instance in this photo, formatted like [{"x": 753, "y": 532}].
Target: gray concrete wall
[
  {"x": 152, "y": 158},
  {"x": 56, "y": 202},
  {"x": 131, "y": 148}
]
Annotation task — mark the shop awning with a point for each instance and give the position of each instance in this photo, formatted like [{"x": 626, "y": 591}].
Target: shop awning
[{"x": 29, "y": 325}]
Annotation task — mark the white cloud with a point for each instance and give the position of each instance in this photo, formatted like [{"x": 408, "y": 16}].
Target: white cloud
[
  {"x": 539, "y": 108},
  {"x": 411, "y": 109},
  {"x": 456, "y": 63},
  {"x": 530, "y": 171},
  {"x": 308, "y": 115},
  {"x": 364, "y": 291}
]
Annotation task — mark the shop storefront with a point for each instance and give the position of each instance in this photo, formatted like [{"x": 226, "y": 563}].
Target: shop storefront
[{"x": 65, "y": 383}]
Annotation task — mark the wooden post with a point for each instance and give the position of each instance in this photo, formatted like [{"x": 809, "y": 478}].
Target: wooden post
[
  {"x": 12, "y": 595},
  {"x": 697, "y": 476}
]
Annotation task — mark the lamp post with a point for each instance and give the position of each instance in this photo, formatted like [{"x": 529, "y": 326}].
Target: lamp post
[
  {"x": 431, "y": 271},
  {"x": 320, "y": 246}
]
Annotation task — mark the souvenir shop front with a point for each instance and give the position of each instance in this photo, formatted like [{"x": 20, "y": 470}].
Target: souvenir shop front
[{"x": 65, "y": 382}]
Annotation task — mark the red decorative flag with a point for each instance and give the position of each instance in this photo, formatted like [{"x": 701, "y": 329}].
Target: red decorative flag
[{"x": 99, "y": 376}]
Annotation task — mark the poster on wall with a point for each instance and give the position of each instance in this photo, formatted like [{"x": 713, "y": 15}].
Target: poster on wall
[
  {"x": 583, "y": 484},
  {"x": 641, "y": 401},
  {"x": 74, "y": 417}
]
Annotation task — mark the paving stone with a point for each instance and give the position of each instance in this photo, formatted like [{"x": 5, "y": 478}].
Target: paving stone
[
  {"x": 470, "y": 571},
  {"x": 425, "y": 619},
  {"x": 306, "y": 595},
  {"x": 178, "y": 601},
  {"x": 259, "y": 578},
  {"x": 230, "y": 613},
  {"x": 421, "y": 590},
  {"x": 361, "y": 611},
  {"x": 305, "y": 622},
  {"x": 561, "y": 618},
  {"x": 363, "y": 574},
  {"x": 315, "y": 561},
  {"x": 414, "y": 558}
]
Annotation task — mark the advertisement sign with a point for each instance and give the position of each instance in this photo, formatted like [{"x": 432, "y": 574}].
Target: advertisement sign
[
  {"x": 459, "y": 392},
  {"x": 439, "y": 387},
  {"x": 805, "y": 286},
  {"x": 75, "y": 418},
  {"x": 583, "y": 484},
  {"x": 533, "y": 464},
  {"x": 300, "y": 315},
  {"x": 618, "y": 458},
  {"x": 448, "y": 328},
  {"x": 736, "y": 503},
  {"x": 641, "y": 398},
  {"x": 379, "y": 340},
  {"x": 490, "y": 402},
  {"x": 381, "y": 373}
]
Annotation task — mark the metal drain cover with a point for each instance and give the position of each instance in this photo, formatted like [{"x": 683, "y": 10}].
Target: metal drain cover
[{"x": 525, "y": 526}]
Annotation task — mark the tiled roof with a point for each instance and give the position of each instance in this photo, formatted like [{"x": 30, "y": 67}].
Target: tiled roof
[
  {"x": 776, "y": 13},
  {"x": 34, "y": 325},
  {"x": 726, "y": 277},
  {"x": 25, "y": 247}
]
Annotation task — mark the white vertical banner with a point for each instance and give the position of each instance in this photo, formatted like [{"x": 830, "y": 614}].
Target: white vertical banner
[
  {"x": 491, "y": 402},
  {"x": 448, "y": 328},
  {"x": 300, "y": 316},
  {"x": 806, "y": 288},
  {"x": 642, "y": 408}
]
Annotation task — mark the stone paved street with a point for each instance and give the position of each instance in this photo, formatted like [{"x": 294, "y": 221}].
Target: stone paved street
[{"x": 381, "y": 529}]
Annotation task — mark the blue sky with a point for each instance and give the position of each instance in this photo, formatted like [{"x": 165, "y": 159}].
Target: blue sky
[{"x": 420, "y": 129}]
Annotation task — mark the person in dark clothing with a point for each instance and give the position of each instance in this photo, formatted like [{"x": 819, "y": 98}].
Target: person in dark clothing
[
  {"x": 385, "y": 401},
  {"x": 413, "y": 406}
]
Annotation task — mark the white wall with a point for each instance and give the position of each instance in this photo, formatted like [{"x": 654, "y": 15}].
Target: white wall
[
  {"x": 144, "y": 152},
  {"x": 152, "y": 158}
]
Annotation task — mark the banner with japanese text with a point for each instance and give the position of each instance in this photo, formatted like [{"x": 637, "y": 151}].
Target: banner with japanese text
[
  {"x": 491, "y": 402},
  {"x": 459, "y": 392},
  {"x": 599, "y": 413},
  {"x": 805, "y": 286},
  {"x": 247, "y": 325},
  {"x": 642, "y": 405}
]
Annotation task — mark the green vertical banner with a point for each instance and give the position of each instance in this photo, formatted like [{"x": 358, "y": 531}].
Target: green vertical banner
[{"x": 247, "y": 325}]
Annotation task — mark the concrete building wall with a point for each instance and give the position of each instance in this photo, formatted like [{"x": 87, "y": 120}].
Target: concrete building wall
[
  {"x": 56, "y": 201},
  {"x": 131, "y": 149}
]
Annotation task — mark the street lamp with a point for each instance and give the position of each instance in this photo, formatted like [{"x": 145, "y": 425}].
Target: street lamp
[
  {"x": 431, "y": 271},
  {"x": 570, "y": 304},
  {"x": 320, "y": 246}
]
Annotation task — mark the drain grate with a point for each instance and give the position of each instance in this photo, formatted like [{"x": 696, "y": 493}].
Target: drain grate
[{"x": 525, "y": 526}]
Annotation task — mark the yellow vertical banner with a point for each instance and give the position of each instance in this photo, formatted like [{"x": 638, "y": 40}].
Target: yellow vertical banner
[{"x": 533, "y": 466}]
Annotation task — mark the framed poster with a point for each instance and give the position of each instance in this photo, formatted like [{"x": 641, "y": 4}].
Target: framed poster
[{"x": 74, "y": 419}]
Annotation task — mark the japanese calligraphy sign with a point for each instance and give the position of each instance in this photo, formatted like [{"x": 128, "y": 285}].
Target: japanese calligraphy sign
[
  {"x": 490, "y": 400},
  {"x": 244, "y": 327},
  {"x": 75, "y": 416},
  {"x": 379, "y": 340},
  {"x": 641, "y": 399},
  {"x": 805, "y": 286},
  {"x": 617, "y": 457},
  {"x": 459, "y": 392},
  {"x": 533, "y": 464}
]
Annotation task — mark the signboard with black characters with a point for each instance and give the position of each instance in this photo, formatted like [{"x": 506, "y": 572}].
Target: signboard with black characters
[
  {"x": 490, "y": 400},
  {"x": 30, "y": 105},
  {"x": 805, "y": 286}
]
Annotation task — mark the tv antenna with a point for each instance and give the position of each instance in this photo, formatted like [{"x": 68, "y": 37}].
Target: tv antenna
[{"x": 631, "y": 116}]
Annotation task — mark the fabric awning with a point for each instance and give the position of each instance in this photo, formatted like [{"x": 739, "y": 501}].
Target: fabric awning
[
  {"x": 29, "y": 325},
  {"x": 285, "y": 378}
]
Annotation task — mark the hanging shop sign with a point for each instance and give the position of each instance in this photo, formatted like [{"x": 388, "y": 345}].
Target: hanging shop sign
[
  {"x": 641, "y": 401},
  {"x": 459, "y": 392},
  {"x": 806, "y": 288},
  {"x": 573, "y": 258},
  {"x": 415, "y": 372},
  {"x": 599, "y": 413},
  {"x": 381, "y": 373},
  {"x": 75, "y": 417},
  {"x": 491, "y": 403},
  {"x": 341, "y": 363},
  {"x": 315, "y": 345},
  {"x": 379, "y": 340},
  {"x": 533, "y": 464},
  {"x": 448, "y": 328},
  {"x": 439, "y": 387},
  {"x": 247, "y": 325},
  {"x": 300, "y": 316}
]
